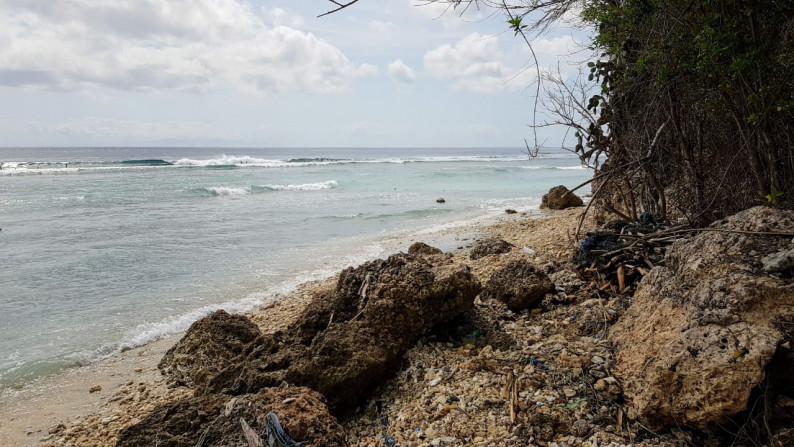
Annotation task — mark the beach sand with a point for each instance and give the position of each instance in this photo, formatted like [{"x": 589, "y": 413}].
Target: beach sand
[{"x": 62, "y": 410}]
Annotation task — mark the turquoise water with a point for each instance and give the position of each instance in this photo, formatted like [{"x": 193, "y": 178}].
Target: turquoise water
[{"x": 107, "y": 248}]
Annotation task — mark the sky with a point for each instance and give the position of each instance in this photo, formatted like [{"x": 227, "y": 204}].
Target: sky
[{"x": 269, "y": 73}]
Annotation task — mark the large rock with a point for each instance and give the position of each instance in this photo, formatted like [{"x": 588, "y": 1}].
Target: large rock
[
  {"x": 518, "y": 284},
  {"x": 300, "y": 411},
  {"x": 700, "y": 332},
  {"x": 347, "y": 342},
  {"x": 208, "y": 345},
  {"x": 559, "y": 198},
  {"x": 490, "y": 246}
]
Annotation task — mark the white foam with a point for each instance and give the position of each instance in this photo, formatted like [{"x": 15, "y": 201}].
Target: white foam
[
  {"x": 149, "y": 332},
  {"x": 229, "y": 160},
  {"x": 571, "y": 168},
  {"x": 305, "y": 186},
  {"x": 227, "y": 191}
]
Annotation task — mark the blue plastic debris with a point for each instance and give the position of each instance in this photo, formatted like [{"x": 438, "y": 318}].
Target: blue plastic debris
[{"x": 276, "y": 436}]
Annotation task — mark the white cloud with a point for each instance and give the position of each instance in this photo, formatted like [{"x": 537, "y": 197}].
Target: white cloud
[
  {"x": 401, "y": 73},
  {"x": 549, "y": 50},
  {"x": 278, "y": 16},
  {"x": 381, "y": 26},
  {"x": 187, "y": 45},
  {"x": 450, "y": 15},
  {"x": 475, "y": 64}
]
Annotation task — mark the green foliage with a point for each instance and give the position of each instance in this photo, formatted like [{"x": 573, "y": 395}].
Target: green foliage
[
  {"x": 714, "y": 78},
  {"x": 516, "y": 26},
  {"x": 774, "y": 196}
]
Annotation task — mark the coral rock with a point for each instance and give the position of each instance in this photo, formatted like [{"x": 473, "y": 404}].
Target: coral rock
[
  {"x": 346, "y": 343},
  {"x": 519, "y": 285},
  {"x": 208, "y": 345},
  {"x": 420, "y": 248},
  {"x": 559, "y": 198},
  {"x": 490, "y": 246},
  {"x": 701, "y": 330}
]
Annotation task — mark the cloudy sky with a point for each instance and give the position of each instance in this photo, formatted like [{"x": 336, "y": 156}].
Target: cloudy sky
[{"x": 393, "y": 73}]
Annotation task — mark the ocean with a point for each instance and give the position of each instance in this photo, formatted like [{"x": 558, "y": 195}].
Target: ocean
[{"x": 110, "y": 248}]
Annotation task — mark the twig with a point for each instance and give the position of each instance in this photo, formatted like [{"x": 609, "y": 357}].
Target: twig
[
  {"x": 340, "y": 7},
  {"x": 510, "y": 393},
  {"x": 724, "y": 230},
  {"x": 589, "y": 204}
]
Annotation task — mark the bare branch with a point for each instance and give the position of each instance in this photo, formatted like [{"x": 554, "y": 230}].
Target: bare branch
[{"x": 340, "y": 6}]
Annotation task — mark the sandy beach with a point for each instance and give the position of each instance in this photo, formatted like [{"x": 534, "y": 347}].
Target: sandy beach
[{"x": 89, "y": 405}]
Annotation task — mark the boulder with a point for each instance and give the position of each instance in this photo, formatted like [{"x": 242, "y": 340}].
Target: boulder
[
  {"x": 703, "y": 328},
  {"x": 518, "y": 284},
  {"x": 490, "y": 246},
  {"x": 349, "y": 341},
  {"x": 420, "y": 248},
  {"x": 216, "y": 417},
  {"x": 208, "y": 345},
  {"x": 559, "y": 198}
]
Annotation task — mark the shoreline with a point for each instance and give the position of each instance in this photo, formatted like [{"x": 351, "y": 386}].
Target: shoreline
[
  {"x": 449, "y": 236},
  {"x": 63, "y": 405}
]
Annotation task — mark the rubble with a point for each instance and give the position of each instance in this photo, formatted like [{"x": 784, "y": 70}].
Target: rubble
[{"x": 214, "y": 420}]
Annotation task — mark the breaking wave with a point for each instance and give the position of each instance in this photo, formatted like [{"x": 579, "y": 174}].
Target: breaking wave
[{"x": 216, "y": 191}]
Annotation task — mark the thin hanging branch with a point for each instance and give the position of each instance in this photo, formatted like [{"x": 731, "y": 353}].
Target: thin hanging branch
[{"x": 340, "y": 6}]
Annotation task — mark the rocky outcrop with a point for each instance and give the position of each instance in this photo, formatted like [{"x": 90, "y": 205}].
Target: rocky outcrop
[
  {"x": 216, "y": 417},
  {"x": 518, "y": 284},
  {"x": 700, "y": 332},
  {"x": 208, "y": 345},
  {"x": 420, "y": 248},
  {"x": 349, "y": 341},
  {"x": 491, "y": 246},
  {"x": 560, "y": 198}
]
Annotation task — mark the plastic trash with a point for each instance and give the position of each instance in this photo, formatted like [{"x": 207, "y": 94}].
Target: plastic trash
[{"x": 276, "y": 436}]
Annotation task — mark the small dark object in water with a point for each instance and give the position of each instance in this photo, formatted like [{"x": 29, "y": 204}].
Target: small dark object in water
[
  {"x": 441, "y": 200},
  {"x": 510, "y": 211}
]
